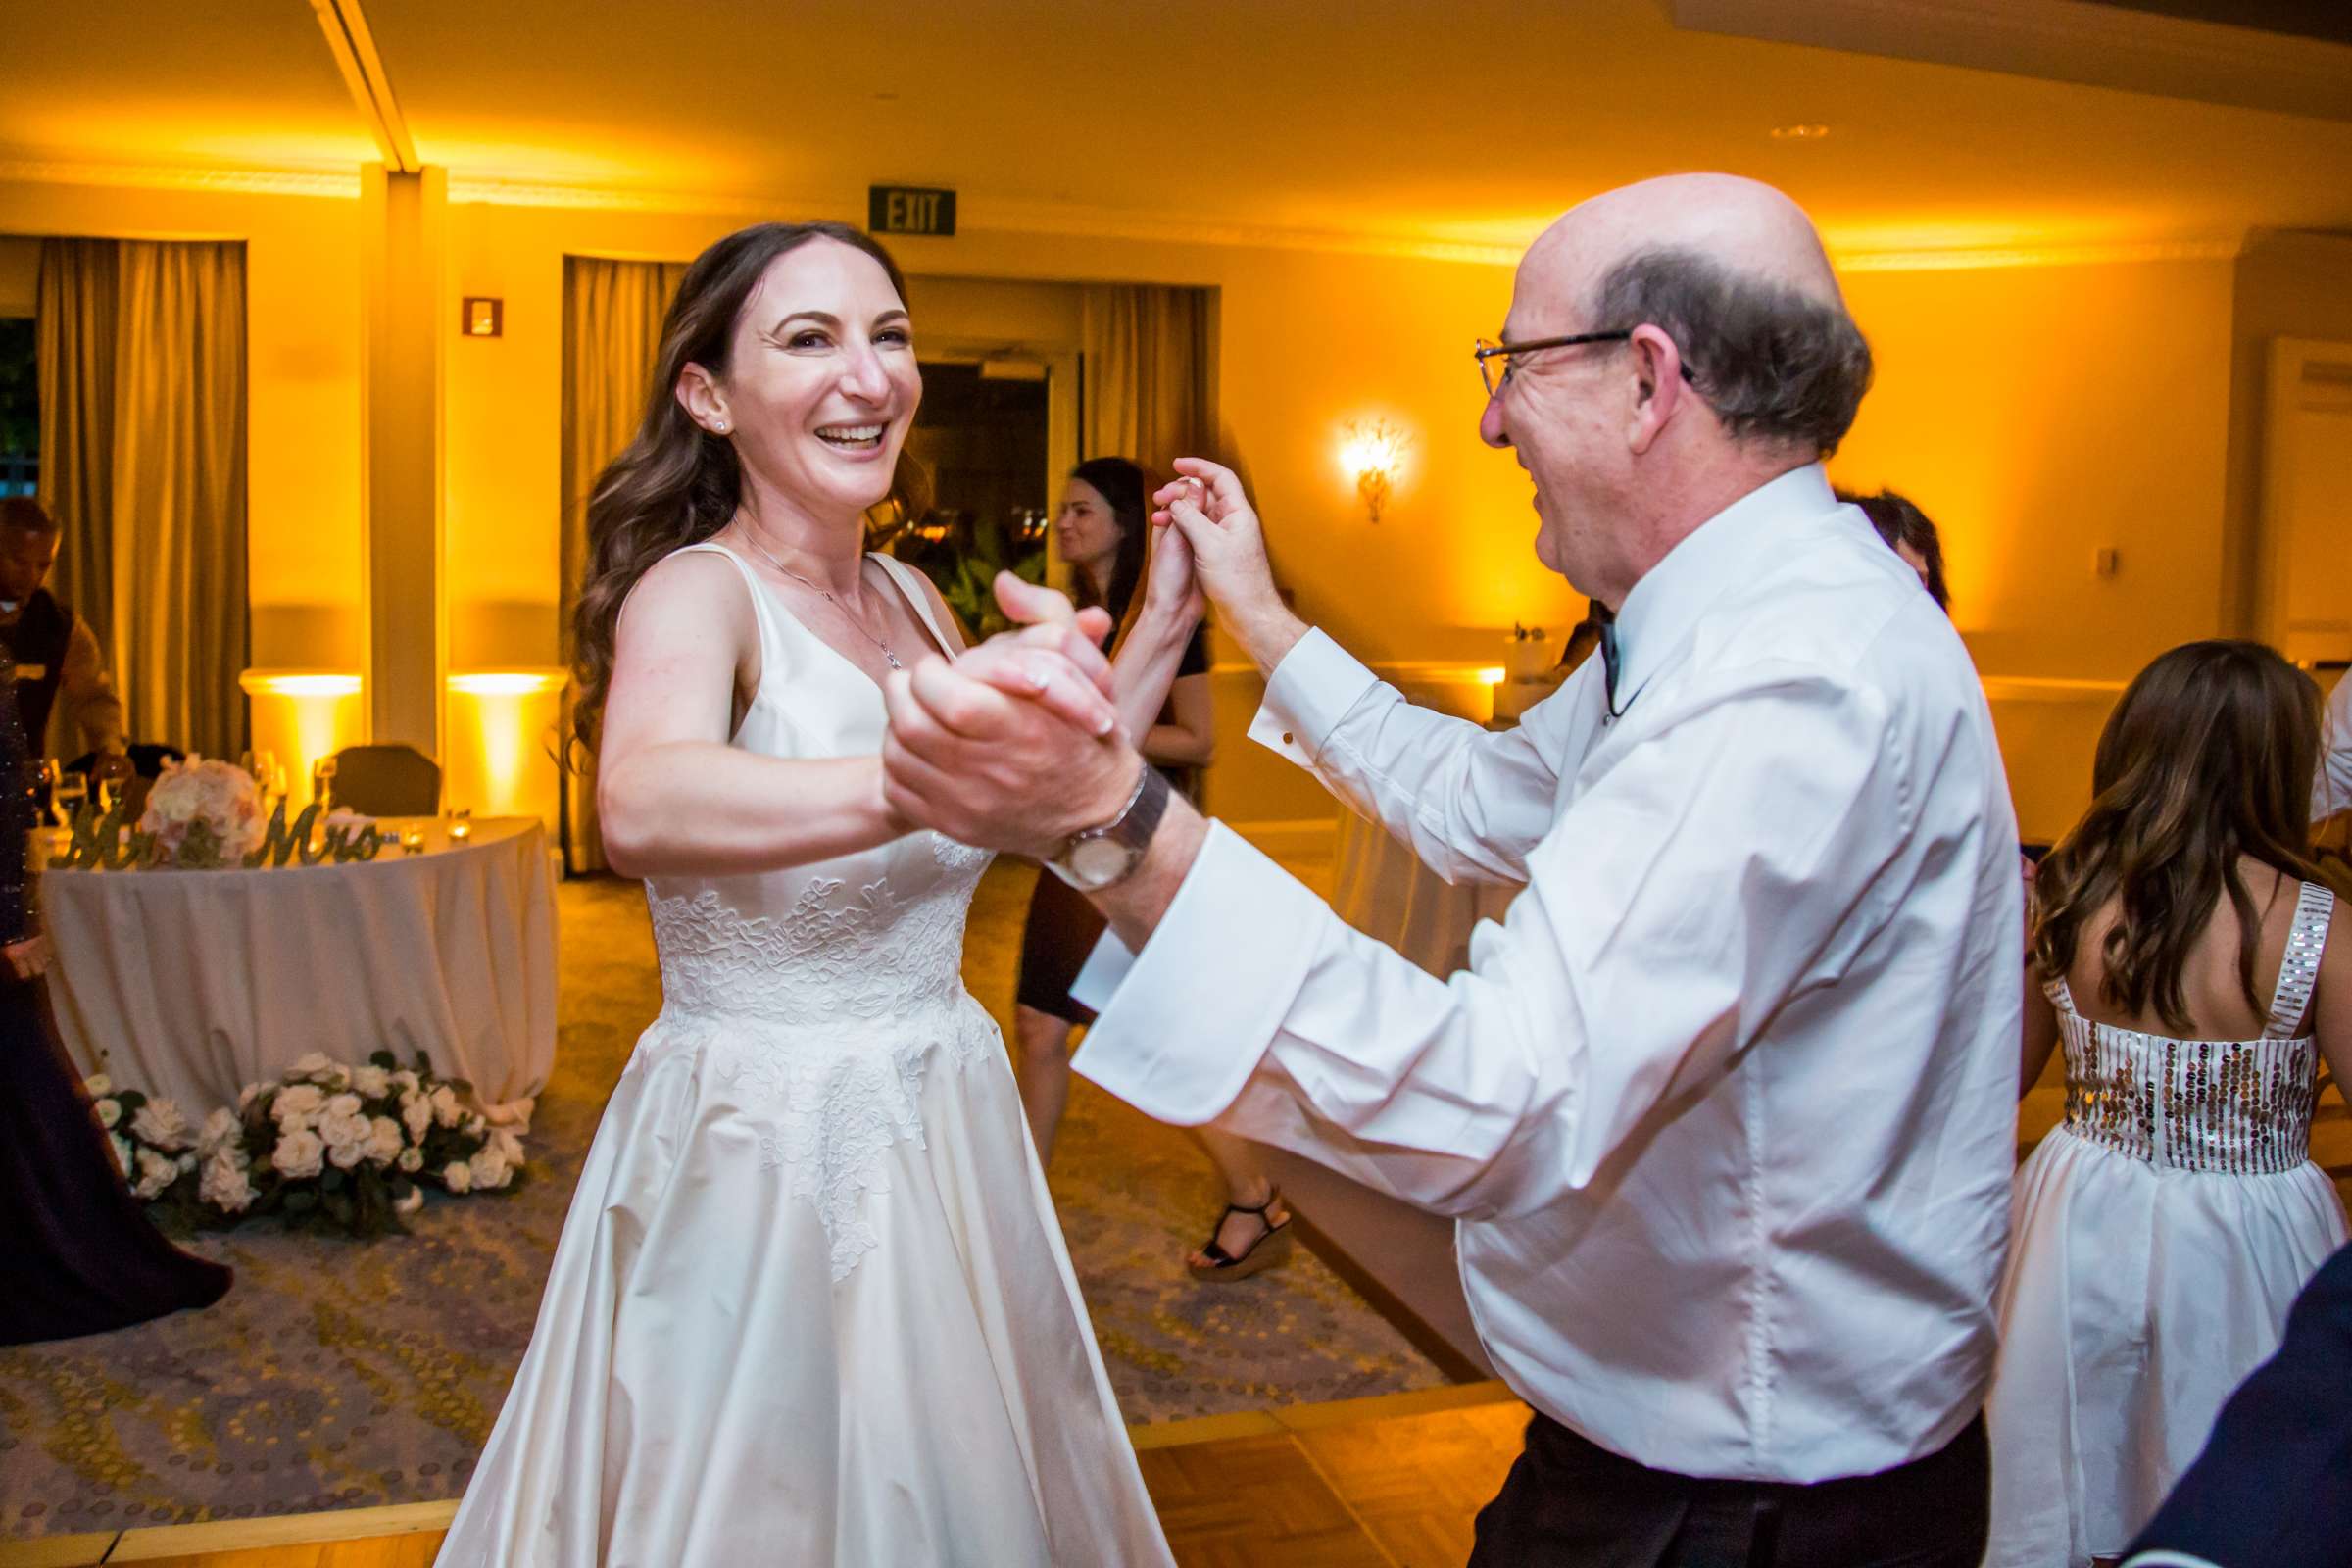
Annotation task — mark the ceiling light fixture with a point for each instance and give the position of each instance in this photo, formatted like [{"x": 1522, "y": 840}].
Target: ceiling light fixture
[{"x": 1799, "y": 132}]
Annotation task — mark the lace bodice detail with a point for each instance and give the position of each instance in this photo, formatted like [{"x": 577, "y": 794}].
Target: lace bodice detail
[
  {"x": 824, "y": 995},
  {"x": 843, "y": 948},
  {"x": 2229, "y": 1106}
]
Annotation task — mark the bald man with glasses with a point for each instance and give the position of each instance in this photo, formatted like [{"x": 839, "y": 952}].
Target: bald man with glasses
[{"x": 1724, "y": 1109}]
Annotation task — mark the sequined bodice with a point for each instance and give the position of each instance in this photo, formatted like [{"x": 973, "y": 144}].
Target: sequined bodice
[{"x": 2229, "y": 1106}]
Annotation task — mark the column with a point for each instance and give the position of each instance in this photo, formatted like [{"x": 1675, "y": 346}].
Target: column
[{"x": 404, "y": 220}]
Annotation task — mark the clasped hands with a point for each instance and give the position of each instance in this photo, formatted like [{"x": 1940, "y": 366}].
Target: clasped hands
[{"x": 1019, "y": 743}]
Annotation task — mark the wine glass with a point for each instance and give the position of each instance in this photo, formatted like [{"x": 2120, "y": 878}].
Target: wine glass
[
  {"x": 72, "y": 790},
  {"x": 109, "y": 776},
  {"x": 323, "y": 784}
]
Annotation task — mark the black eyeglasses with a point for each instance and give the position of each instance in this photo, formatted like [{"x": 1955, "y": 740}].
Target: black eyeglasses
[{"x": 1489, "y": 353}]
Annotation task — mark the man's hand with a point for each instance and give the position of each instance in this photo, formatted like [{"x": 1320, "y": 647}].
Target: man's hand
[
  {"x": 1003, "y": 771},
  {"x": 1229, "y": 556}
]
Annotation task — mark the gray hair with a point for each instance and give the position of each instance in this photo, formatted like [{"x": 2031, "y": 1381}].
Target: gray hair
[{"x": 1774, "y": 363}]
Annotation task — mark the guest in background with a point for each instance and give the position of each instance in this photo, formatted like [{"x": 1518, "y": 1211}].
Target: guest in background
[
  {"x": 1103, "y": 530},
  {"x": 77, "y": 1255},
  {"x": 2163, "y": 1230},
  {"x": 1910, "y": 534},
  {"x": 57, "y": 655},
  {"x": 2269, "y": 1490}
]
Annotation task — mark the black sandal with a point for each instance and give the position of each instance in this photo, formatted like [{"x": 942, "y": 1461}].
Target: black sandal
[{"x": 1272, "y": 1246}]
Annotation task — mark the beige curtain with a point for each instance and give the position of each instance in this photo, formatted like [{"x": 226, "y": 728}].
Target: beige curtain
[
  {"x": 142, "y": 373},
  {"x": 612, "y": 315},
  {"x": 1149, "y": 355}
]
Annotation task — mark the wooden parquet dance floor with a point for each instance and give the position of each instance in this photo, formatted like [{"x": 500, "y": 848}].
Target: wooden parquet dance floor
[{"x": 1386, "y": 1483}]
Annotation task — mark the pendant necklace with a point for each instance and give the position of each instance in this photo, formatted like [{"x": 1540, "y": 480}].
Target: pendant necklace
[{"x": 888, "y": 658}]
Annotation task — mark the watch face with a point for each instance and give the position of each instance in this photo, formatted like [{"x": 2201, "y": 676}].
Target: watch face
[{"x": 1097, "y": 862}]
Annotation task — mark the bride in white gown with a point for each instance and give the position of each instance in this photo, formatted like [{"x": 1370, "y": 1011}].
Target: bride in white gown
[{"x": 811, "y": 1303}]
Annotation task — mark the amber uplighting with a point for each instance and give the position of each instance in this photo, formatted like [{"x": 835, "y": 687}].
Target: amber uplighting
[
  {"x": 303, "y": 715},
  {"x": 501, "y": 763}
]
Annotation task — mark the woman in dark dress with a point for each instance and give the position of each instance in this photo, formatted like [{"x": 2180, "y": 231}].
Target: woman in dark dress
[
  {"x": 1103, "y": 530},
  {"x": 77, "y": 1255}
]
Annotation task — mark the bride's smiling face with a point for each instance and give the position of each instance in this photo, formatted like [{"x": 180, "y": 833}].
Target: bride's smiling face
[{"x": 822, "y": 383}]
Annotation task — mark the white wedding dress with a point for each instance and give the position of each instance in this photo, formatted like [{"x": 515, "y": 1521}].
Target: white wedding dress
[{"x": 811, "y": 1303}]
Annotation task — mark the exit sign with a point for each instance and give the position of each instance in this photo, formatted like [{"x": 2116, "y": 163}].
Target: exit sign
[{"x": 910, "y": 210}]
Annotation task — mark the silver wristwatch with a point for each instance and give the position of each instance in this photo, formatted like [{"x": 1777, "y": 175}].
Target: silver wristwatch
[{"x": 1098, "y": 857}]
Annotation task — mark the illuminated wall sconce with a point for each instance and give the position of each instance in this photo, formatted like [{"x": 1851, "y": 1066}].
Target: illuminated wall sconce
[
  {"x": 479, "y": 317},
  {"x": 300, "y": 715},
  {"x": 1372, "y": 456},
  {"x": 500, "y": 724}
]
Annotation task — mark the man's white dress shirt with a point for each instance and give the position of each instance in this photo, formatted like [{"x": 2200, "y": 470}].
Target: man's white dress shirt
[
  {"x": 2332, "y": 788},
  {"x": 1726, "y": 1108}
]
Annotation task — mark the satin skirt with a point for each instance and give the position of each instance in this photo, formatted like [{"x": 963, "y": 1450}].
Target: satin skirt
[
  {"x": 809, "y": 1316},
  {"x": 2135, "y": 1300}
]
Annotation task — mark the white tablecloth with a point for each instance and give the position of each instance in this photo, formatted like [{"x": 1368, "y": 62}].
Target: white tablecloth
[
  {"x": 1380, "y": 888},
  {"x": 190, "y": 984}
]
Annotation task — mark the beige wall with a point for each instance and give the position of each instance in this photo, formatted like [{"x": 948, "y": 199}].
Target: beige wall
[
  {"x": 20, "y": 274},
  {"x": 2037, "y": 413}
]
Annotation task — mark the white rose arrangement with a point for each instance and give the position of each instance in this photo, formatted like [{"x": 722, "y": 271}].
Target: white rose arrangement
[
  {"x": 150, "y": 1139},
  {"x": 330, "y": 1147}
]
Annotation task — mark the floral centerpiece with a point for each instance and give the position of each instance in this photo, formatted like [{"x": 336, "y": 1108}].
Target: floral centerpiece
[
  {"x": 212, "y": 801},
  {"x": 329, "y": 1146}
]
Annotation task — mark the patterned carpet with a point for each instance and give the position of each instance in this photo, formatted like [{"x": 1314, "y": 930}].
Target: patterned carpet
[{"x": 346, "y": 1374}]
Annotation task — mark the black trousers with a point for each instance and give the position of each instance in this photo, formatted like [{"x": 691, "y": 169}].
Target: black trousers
[{"x": 1570, "y": 1503}]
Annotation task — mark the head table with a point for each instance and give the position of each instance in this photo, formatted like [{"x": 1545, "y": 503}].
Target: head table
[
  {"x": 1380, "y": 887},
  {"x": 191, "y": 984}
]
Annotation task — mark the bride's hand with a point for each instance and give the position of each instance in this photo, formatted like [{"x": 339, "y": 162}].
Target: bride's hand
[{"x": 1172, "y": 588}]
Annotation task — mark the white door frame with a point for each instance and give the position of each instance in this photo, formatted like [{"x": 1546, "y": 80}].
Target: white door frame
[{"x": 2292, "y": 360}]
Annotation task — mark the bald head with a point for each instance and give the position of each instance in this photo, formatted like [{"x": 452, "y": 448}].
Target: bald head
[
  {"x": 1732, "y": 274},
  {"x": 1743, "y": 225}
]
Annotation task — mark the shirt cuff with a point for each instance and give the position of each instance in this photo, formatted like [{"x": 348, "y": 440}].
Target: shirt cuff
[
  {"x": 1191, "y": 1021},
  {"x": 1309, "y": 692}
]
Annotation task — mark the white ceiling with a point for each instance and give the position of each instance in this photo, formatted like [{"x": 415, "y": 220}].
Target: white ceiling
[{"x": 1469, "y": 120}]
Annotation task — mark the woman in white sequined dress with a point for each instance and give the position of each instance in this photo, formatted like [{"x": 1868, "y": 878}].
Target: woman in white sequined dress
[
  {"x": 2181, "y": 956},
  {"x": 811, "y": 1304}
]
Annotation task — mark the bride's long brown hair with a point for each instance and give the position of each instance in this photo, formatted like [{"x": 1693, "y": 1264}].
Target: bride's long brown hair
[
  {"x": 2207, "y": 759},
  {"x": 677, "y": 483}
]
